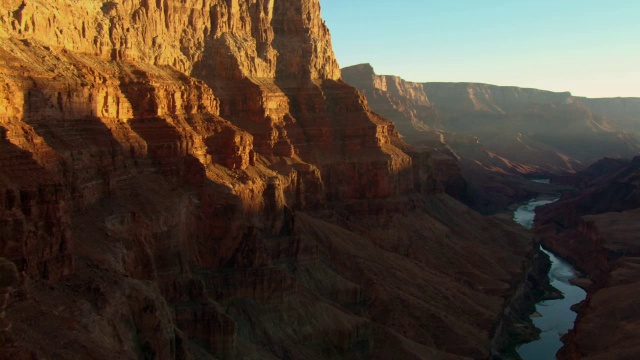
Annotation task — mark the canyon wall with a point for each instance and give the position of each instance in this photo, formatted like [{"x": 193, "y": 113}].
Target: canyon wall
[
  {"x": 595, "y": 227},
  {"x": 192, "y": 180},
  {"x": 404, "y": 102},
  {"x": 456, "y": 99},
  {"x": 492, "y": 139},
  {"x": 623, "y": 112},
  {"x": 477, "y": 175},
  {"x": 530, "y": 131}
]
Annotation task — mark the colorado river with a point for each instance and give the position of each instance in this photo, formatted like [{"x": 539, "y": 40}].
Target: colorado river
[{"x": 553, "y": 317}]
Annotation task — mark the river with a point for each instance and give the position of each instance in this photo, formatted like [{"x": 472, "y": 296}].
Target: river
[{"x": 554, "y": 317}]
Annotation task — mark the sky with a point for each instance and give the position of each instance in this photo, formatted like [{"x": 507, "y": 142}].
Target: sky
[{"x": 588, "y": 47}]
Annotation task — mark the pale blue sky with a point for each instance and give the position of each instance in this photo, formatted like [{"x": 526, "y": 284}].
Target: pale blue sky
[{"x": 588, "y": 47}]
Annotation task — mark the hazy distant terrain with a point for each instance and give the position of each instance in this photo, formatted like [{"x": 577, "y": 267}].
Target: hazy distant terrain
[{"x": 548, "y": 131}]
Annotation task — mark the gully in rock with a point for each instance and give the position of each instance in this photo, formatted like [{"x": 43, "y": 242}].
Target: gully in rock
[{"x": 553, "y": 317}]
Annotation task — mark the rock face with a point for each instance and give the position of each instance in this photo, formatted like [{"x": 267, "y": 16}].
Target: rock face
[
  {"x": 191, "y": 179},
  {"x": 622, "y": 112},
  {"x": 9, "y": 278},
  {"x": 596, "y": 228},
  {"x": 489, "y": 174},
  {"x": 552, "y": 131},
  {"x": 536, "y": 131},
  {"x": 610, "y": 308},
  {"x": 404, "y": 102}
]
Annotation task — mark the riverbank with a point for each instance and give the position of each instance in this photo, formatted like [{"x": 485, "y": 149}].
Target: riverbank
[
  {"x": 553, "y": 316},
  {"x": 518, "y": 326}
]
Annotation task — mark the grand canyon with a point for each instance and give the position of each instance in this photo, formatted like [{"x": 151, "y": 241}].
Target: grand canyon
[{"x": 199, "y": 179}]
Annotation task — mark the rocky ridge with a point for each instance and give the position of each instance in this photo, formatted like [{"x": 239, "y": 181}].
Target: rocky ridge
[{"x": 192, "y": 180}]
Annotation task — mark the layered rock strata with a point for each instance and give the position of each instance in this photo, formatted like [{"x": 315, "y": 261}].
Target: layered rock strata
[
  {"x": 477, "y": 174},
  {"x": 623, "y": 112},
  {"x": 192, "y": 179},
  {"x": 533, "y": 131}
]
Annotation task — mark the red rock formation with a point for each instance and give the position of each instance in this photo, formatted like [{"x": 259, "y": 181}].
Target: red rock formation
[
  {"x": 404, "y": 102},
  {"x": 190, "y": 179},
  {"x": 600, "y": 192}
]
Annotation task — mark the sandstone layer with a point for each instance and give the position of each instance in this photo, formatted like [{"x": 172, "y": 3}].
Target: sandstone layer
[{"x": 192, "y": 180}]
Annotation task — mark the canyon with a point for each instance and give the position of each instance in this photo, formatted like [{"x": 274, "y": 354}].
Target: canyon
[
  {"x": 596, "y": 227},
  {"x": 198, "y": 179},
  {"x": 499, "y": 138},
  {"x": 499, "y": 134},
  {"x": 193, "y": 180}
]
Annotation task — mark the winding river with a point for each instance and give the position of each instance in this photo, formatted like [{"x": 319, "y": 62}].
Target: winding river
[{"x": 553, "y": 317}]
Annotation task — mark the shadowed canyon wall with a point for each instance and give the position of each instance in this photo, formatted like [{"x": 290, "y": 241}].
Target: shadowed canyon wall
[{"x": 595, "y": 226}]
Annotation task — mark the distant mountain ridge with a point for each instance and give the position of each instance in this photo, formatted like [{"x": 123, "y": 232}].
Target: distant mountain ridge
[
  {"x": 550, "y": 131},
  {"x": 621, "y": 111},
  {"x": 470, "y": 96},
  {"x": 455, "y": 98}
]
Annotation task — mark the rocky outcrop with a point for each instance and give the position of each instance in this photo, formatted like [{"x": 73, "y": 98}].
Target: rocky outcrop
[
  {"x": 192, "y": 179},
  {"x": 600, "y": 191},
  {"x": 596, "y": 173},
  {"x": 9, "y": 278}
]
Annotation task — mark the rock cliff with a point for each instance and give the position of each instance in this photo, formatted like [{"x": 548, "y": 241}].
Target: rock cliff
[
  {"x": 535, "y": 131},
  {"x": 555, "y": 132},
  {"x": 192, "y": 180},
  {"x": 404, "y": 102},
  {"x": 623, "y": 112},
  {"x": 483, "y": 172}
]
